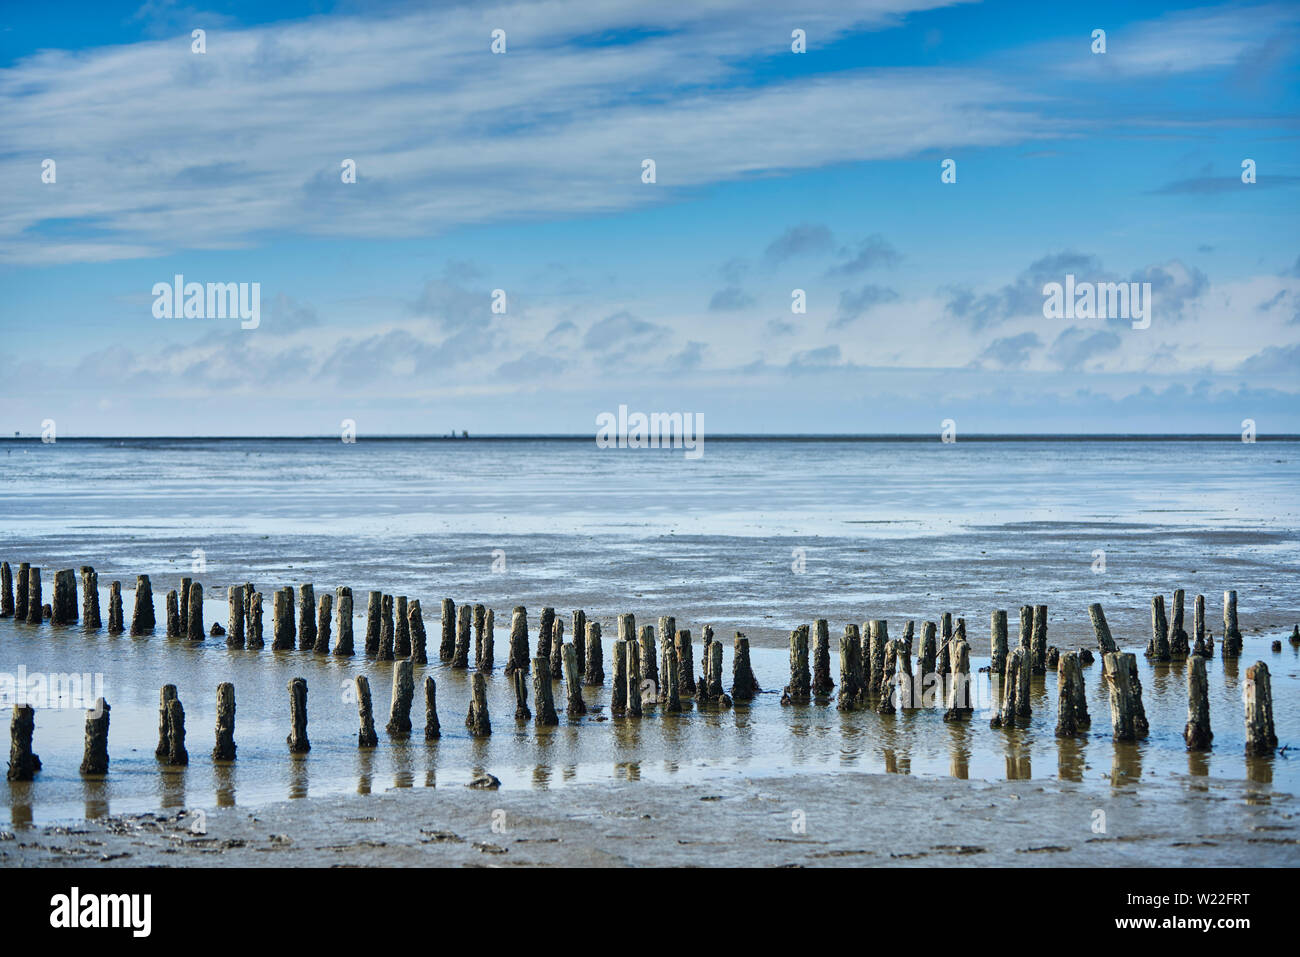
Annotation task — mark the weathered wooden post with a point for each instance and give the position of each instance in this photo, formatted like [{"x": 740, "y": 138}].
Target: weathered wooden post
[
  {"x": 432, "y": 729},
  {"x": 142, "y": 617},
  {"x": 6, "y": 591},
  {"x": 460, "y": 651},
  {"x": 22, "y": 591},
  {"x": 743, "y": 684},
  {"x": 480, "y": 624},
  {"x": 419, "y": 639},
  {"x": 249, "y": 589},
  {"x": 297, "y": 740},
  {"x": 485, "y": 664},
  {"x": 1038, "y": 642},
  {"x": 877, "y": 638},
  {"x": 89, "y": 597},
  {"x": 1105, "y": 643},
  {"x": 235, "y": 631},
  {"x": 1015, "y": 690},
  {"x": 374, "y": 622},
  {"x": 519, "y": 680},
  {"x": 685, "y": 663},
  {"x": 447, "y": 647},
  {"x": 649, "y": 659},
  {"x": 672, "y": 701},
  {"x": 925, "y": 659},
  {"x": 1198, "y": 628},
  {"x": 1257, "y": 693},
  {"x": 115, "y": 622},
  {"x": 224, "y": 750},
  {"x": 185, "y": 601},
  {"x": 518, "y": 660},
  {"x": 542, "y": 694},
  {"x": 885, "y": 703},
  {"x": 1071, "y": 700},
  {"x": 1197, "y": 734},
  {"x": 714, "y": 691},
  {"x": 942, "y": 658},
  {"x": 822, "y": 685},
  {"x": 621, "y": 694},
  {"x": 579, "y": 630},
  {"x": 959, "y": 703},
  {"x": 799, "y": 690},
  {"x": 1158, "y": 646},
  {"x": 95, "y": 758},
  {"x": 575, "y": 706},
  {"x": 557, "y": 648},
  {"x": 194, "y": 626},
  {"x": 254, "y": 639},
  {"x": 998, "y": 643},
  {"x": 402, "y": 628},
  {"x": 631, "y": 654},
  {"x": 173, "y": 613},
  {"x": 544, "y": 635},
  {"x": 324, "y": 614},
  {"x": 343, "y": 622},
  {"x": 282, "y": 620},
  {"x": 595, "y": 655},
  {"x": 852, "y": 683},
  {"x": 399, "y": 712},
  {"x": 366, "y": 737},
  {"x": 23, "y": 762},
  {"x": 387, "y": 633},
  {"x": 477, "y": 720},
  {"x": 1179, "y": 646},
  {"x": 706, "y": 636},
  {"x": 1127, "y": 715},
  {"x": 307, "y": 616},
  {"x": 1231, "y": 636},
  {"x": 166, "y": 695}
]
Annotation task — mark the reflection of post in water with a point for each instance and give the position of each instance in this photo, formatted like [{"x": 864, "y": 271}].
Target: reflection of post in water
[
  {"x": 298, "y": 778},
  {"x": 95, "y": 795},
  {"x": 628, "y": 770},
  {"x": 959, "y": 750},
  {"x": 1017, "y": 754},
  {"x": 173, "y": 786},
  {"x": 1069, "y": 758},
  {"x": 403, "y": 774},
  {"x": 365, "y": 770},
  {"x": 1198, "y": 765},
  {"x": 541, "y": 775},
  {"x": 1126, "y": 763},
  {"x": 223, "y": 779}
]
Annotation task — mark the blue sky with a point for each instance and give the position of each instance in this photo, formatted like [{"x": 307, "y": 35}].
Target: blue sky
[{"x": 775, "y": 171}]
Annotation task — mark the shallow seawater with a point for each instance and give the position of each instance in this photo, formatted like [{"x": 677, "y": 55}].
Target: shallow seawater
[
  {"x": 757, "y": 536},
  {"x": 760, "y": 738}
]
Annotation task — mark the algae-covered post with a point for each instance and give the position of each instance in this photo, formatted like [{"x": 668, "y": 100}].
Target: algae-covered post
[
  {"x": 1231, "y": 635},
  {"x": 115, "y": 622},
  {"x": 1127, "y": 717},
  {"x": 685, "y": 663},
  {"x": 1102, "y": 630},
  {"x": 542, "y": 693},
  {"x": 1071, "y": 700},
  {"x": 224, "y": 750},
  {"x": 632, "y": 671},
  {"x": 307, "y": 616},
  {"x": 142, "y": 618},
  {"x": 959, "y": 703},
  {"x": 282, "y": 620},
  {"x": 419, "y": 639},
  {"x": 799, "y": 690},
  {"x": 557, "y": 646},
  {"x": 254, "y": 639},
  {"x": 578, "y": 622},
  {"x": 387, "y": 631},
  {"x": 374, "y": 621},
  {"x": 95, "y": 757},
  {"x": 166, "y": 695},
  {"x": 622, "y": 693},
  {"x": 366, "y": 737},
  {"x": 34, "y": 597},
  {"x": 743, "y": 685},
  {"x": 401, "y": 628},
  {"x": 544, "y": 624},
  {"x": 851, "y": 680},
  {"x": 399, "y": 712},
  {"x": 1257, "y": 694},
  {"x": 575, "y": 706},
  {"x": 1158, "y": 646},
  {"x": 1200, "y": 649},
  {"x": 518, "y": 657},
  {"x": 23, "y": 762},
  {"x": 194, "y": 624},
  {"x": 20, "y": 591},
  {"x": 173, "y": 612},
  {"x": 1178, "y": 643},
  {"x": 235, "y": 603},
  {"x": 323, "y": 624},
  {"x": 460, "y": 650},
  {"x": 519, "y": 680},
  {"x": 672, "y": 699},
  {"x": 447, "y": 646},
  {"x": 1038, "y": 642},
  {"x": 822, "y": 685},
  {"x": 1197, "y": 734},
  {"x": 6, "y": 591},
  {"x": 297, "y": 740},
  {"x": 595, "y": 655},
  {"x": 89, "y": 597}
]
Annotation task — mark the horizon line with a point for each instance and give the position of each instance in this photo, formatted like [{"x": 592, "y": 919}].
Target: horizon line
[{"x": 722, "y": 436}]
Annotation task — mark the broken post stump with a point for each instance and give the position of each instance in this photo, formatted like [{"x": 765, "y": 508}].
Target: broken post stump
[
  {"x": 235, "y": 631},
  {"x": 1158, "y": 646},
  {"x": 1257, "y": 694},
  {"x": 485, "y": 664},
  {"x": 34, "y": 616},
  {"x": 544, "y": 624},
  {"x": 447, "y": 647},
  {"x": 254, "y": 638},
  {"x": 282, "y": 620},
  {"x": 224, "y": 750},
  {"x": 399, "y": 712},
  {"x": 115, "y": 622},
  {"x": 6, "y": 591},
  {"x": 401, "y": 627},
  {"x": 1197, "y": 734},
  {"x": 21, "y": 591},
  {"x": 518, "y": 657},
  {"x": 1015, "y": 685},
  {"x": 631, "y": 653},
  {"x": 557, "y": 648},
  {"x": 685, "y": 663},
  {"x": 959, "y": 703},
  {"x": 595, "y": 655},
  {"x": 743, "y": 684},
  {"x": 173, "y": 613},
  {"x": 1127, "y": 716},
  {"x": 142, "y": 617},
  {"x": 460, "y": 651},
  {"x": 374, "y": 622},
  {"x": 1231, "y": 635},
  {"x": 477, "y": 720},
  {"x": 419, "y": 640},
  {"x": 480, "y": 623},
  {"x": 799, "y": 690},
  {"x": 852, "y": 684},
  {"x": 23, "y": 762},
  {"x": 194, "y": 625},
  {"x": 185, "y": 602},
  {"x": 578, "y": 622},
  {"x": 95, "y": 757},
  {"x": 297, "y": 739},
  {"x": 878, "y": 637},
  {"x": 387, "y": 633},
  {"x": 1071, "y": 699},
  {"x": 542, "y": 694},
  {"x": 622, "y": 693},
  {"x": 366, "y": 736},
  {"x": 519, "y": 680},
  {"x": 1102, "y": 630},
  {"x": 672, "y": 701},
  {"x": 927, "y": 660},
  {"x": 822, "y": 685},
  {"x": 1179, "y": 646},
  {"x": 1038, "y": 642},
  {"x": 343, "y": 622},
  {"x": 324, "y": 615},
  {"x": 89, "y": 597},
  {"x": 575, "y": 707},
  {"x": 307, "y": 616}
]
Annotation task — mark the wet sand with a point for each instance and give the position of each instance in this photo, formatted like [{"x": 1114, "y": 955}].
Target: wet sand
[{"x": 850, "y": 819}]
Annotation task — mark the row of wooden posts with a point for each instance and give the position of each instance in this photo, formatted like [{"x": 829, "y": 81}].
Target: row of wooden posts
[{"x": 875, "y": 671}]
